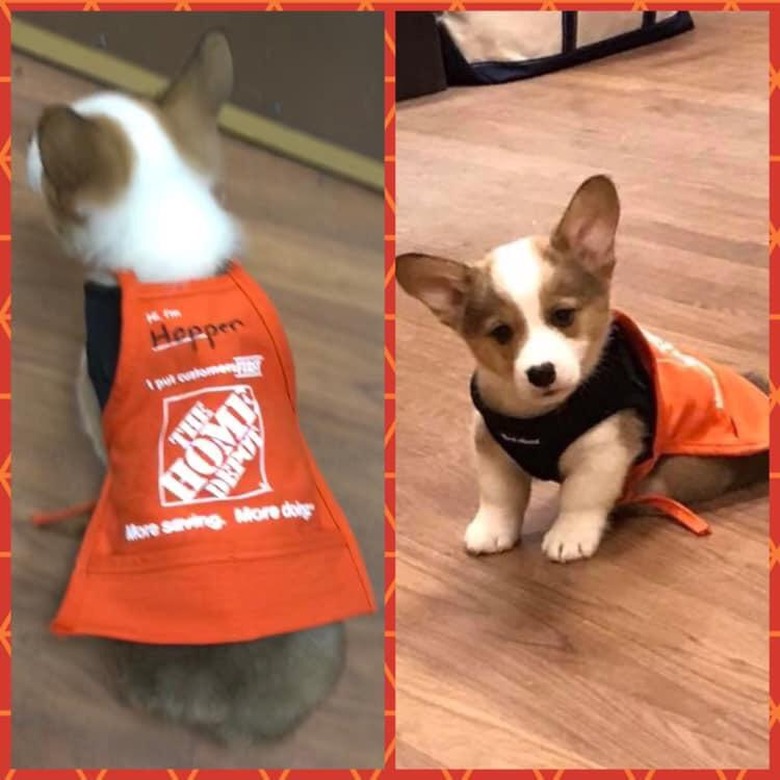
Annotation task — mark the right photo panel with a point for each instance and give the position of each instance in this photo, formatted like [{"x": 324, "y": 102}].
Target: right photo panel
[{"x": 582, "y": 389}]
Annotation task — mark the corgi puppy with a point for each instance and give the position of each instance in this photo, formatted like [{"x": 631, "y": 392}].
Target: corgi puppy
[
  {"x": 129, "y": 185},
  {"x": 565, "y": 389}
]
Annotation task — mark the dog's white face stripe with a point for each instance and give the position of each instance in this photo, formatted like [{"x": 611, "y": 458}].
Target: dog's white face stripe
[{"x": 520, "y": 273}]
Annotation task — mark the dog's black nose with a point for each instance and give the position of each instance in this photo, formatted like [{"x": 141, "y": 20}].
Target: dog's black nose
[{"x": 541, "y": 376}]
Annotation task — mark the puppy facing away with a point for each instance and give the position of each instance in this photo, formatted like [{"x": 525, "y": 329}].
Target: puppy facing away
[
  {"x": 566, "y": 389},
  {"x": 129, "y": 185}
]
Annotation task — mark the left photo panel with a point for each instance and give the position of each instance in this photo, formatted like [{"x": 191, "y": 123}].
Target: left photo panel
[{"x": 197, "y": 390}]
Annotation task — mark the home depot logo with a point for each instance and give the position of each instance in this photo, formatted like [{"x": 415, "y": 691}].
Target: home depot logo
[{"x": 211, "y": 447}]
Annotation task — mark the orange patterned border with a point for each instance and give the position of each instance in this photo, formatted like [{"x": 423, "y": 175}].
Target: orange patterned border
[
  {"x": 389, "y": 44},
  {"x": 389, "y": 772}
]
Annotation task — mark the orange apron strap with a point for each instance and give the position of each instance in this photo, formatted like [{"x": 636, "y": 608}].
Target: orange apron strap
[
  {"x": 45, "y": 518},
  {"x": 126, "y": 278},
  {"x": 676, "y": 511}
]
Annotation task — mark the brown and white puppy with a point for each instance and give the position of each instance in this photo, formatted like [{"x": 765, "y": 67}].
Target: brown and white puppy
[
  {"x": 536, "y": 315},
  {"x": 128, "y": 184}
]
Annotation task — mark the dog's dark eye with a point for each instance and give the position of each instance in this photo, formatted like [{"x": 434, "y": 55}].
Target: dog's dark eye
[
  {"x": 562, "y": 317},
  {"x": 501, "y": 333}
]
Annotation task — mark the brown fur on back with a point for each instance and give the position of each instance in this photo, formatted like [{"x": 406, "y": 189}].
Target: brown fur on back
[
  {"x": 691, "y": 479},
  {"x": 758, "y": 380},
  {"x": 245, "y": 691}
]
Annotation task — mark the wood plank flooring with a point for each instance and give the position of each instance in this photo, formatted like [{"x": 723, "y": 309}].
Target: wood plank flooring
[
  {"x": 654, "y": 653},
  {"x": 316, "y": 245}
]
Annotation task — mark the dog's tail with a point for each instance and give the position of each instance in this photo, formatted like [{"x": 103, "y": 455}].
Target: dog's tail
[{"x": 759, "y": 380}]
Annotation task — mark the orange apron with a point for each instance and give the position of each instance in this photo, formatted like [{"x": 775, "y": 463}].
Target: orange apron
[
  {"x": 702, "y": 408},
  {"x": 214, "y": 523}
]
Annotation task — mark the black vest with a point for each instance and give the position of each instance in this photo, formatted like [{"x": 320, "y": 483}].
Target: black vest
[
  {"x": 103, "y": 317},
  {"x": 619, "y": 381}
]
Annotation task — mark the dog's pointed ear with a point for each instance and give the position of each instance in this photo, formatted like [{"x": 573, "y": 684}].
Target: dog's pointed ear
[
  {"x": 204, "y": 83},
  {"x": 441, "y": 284},
  {"x": 80, "y": 156},
  {"x": 586, "y": 232},
  {"x": 192, "y": 102}
]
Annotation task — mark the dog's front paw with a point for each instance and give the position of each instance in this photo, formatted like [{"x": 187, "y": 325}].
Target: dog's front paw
[
  {"x": 574, "y": 536},
  {"x": 492, "y": 532}
]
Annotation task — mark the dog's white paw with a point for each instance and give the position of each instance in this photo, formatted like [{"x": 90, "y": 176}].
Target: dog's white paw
[
  {"x": 491, "y": 532},
  {"x": 574, "y": 536}
]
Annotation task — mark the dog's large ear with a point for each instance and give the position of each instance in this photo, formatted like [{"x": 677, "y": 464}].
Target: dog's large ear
[
  {"x": 441, "y": 284},
  {"x": 81, "y": 157},
  {"x": 586, "y": 232},
  {"x": 204, "y": 82},
  {"x": 192, "y": 101}
]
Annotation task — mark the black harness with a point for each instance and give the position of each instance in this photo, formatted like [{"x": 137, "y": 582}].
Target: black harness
[
  {"x": 619, "y": 381},
  {"x": 103, "y": 316}
]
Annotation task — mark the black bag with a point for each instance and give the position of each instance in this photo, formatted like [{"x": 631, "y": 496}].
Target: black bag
[{"x": 493, "y": 47}]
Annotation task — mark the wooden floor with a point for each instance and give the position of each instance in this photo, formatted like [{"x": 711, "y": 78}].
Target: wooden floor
[
  {"x": 316, "y": 245},
  {"x": 654, "y": 653}
]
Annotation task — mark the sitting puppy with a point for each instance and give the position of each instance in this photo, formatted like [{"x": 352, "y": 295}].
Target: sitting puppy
[
  {"x": 217, "y": 563},
  {"x": 567, "y": 390}
]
